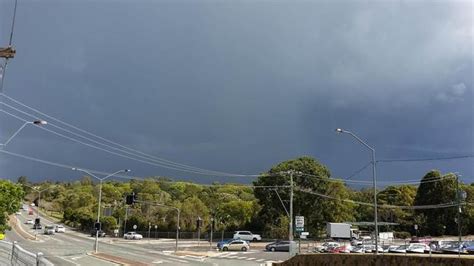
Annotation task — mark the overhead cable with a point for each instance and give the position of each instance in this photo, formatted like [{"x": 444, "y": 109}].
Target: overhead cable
[
  {"x": 142, "y": 154},
  {"x": 174, "y": 165}
]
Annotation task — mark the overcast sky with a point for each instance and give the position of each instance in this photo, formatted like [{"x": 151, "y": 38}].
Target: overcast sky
[{"x": 238, "y": 86}]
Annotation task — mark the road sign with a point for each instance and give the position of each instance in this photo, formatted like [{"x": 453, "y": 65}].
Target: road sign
[
  {"x": 299, "y": 223},
  {"x": 156, "y": 226},
  {"x": 134, "y": 227}
]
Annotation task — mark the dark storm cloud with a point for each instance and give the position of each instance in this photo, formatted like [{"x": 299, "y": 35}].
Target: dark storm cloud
[{"x": 240, "y": 86}]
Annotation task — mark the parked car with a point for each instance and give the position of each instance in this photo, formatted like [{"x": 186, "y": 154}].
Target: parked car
[
  {"x": 469, "y": 247},
  {"x": 132, "y": 235},
  {"x": 358, "y": 249},
  {"x": 49, "y": 230},
  {"x": 236, "y": 245},
  {"x": 400, "y": 249},
  {"x": 94, "y": 232},
  {"x": 454, "y": 248},
  {"x": 341, "y": 249},
  {"x": 326, "y": 246},
  {"x": 37, "y": 226},
  {"x": 247, "y": 235},
  {"x": 60, "y": 228},
  {"x": 418, "y": 248},
  {"x": 279, "y": 246},
  {"x": 29, "y": 221}
]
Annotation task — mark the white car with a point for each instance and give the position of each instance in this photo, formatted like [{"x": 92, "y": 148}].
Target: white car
[
  {"x": 29, "y": 221},
  {"x": 417, "y": 248},
  {"x": 132, "y": 235},
  {"x": 60, "y": 228},
  {"x": 247, "y": 235},
  {"x": 49, "y": 230},
  {"x": 237, "y": 245}
]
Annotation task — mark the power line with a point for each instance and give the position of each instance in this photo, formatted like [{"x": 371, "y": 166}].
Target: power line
[
  {"x": 118, "y": 154},
  {"x": 387, "y": 206},
  {"x": 115, "y": 143},
  {"x": 13, "y": 23},
  {"x": 174, "y": 165},
  {"x": 426, "y": 159}
]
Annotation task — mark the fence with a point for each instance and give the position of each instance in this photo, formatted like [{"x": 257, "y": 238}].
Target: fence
[{"x": 14, "y": 255}]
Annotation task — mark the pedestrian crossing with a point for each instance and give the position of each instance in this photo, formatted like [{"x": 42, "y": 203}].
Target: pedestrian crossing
[{"x": 238, "y": 256}]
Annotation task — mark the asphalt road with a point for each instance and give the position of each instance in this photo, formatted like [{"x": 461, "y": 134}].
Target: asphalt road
[{"x": 72, "y": 248}]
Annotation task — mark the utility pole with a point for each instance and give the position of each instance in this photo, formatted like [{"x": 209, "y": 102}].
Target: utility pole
[
  {"x": 458, "y": 200},
  {"x": 290, "y": 231}
]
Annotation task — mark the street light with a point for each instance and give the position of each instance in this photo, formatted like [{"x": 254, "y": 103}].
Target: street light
[
  {"x": 374, "y": 177},
  {"x": 36, "y": 122},
  {"x": 100, "y": 198}
]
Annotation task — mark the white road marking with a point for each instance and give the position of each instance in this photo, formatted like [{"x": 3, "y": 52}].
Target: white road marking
[
  {"x": 157, "y": 262},
  {"x": 68, "y": 260},
  {"x": 232, "y": 257},
  {"x": 250, "y": 258},
  {"x": 241, "y": 258},
  {"x": 178, "y": 260},
  {"x": 259, "y": 260}
]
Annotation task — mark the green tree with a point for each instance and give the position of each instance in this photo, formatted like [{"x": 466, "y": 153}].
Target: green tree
[
  {"x": 317, "y": 210},
  {"x": 436, "y": 189},
  {"x": 11, "y": 196}
]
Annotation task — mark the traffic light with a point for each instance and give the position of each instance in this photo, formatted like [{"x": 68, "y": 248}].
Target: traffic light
[
  {"x": 97, "y": 226},
  {"x": 199, "y": 222},
  {"x": 37, "y": 221},
  {"x": 130, "y": 199}
]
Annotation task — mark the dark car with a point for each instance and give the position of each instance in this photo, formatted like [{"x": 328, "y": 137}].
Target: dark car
[
  {"x": 278, "y": 246},
  {"x": 37, "y": 226},
  {"x": 94, "y": 232}
]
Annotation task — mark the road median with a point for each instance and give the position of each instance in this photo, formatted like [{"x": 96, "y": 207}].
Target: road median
[{"x": 14, "y": 223}]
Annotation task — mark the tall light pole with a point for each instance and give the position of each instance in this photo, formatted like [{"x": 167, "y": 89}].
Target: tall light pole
[
  {"x": 36, "y": 122},
  {"x": 374, "y": 181},
  {"x": 100, "y": 198}
]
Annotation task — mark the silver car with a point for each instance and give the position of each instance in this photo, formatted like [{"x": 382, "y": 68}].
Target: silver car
[{"x": 49, "y": 230}]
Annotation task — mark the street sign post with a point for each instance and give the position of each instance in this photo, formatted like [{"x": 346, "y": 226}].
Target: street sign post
[{"x": 299, "y": 223}]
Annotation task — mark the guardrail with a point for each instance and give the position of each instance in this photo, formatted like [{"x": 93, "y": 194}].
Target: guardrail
[{"x": 18, "y": 256}]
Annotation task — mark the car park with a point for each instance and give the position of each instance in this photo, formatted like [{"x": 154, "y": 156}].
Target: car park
[
  {"x": 60, "y": 228},
  {"x": 279, "y": 246},
  {"x": 247, "y": 235},
  {"x": 49, "y": 230},
  {"x": 236, "y": 245},
  {"x": 132, "y": 235}
]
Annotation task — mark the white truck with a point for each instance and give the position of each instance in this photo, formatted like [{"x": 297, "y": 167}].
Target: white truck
[{"x": 341, "y": 231}]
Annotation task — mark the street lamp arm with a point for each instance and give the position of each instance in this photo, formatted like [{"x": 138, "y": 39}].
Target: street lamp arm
[
  {"x": 85, "y": 171},
  {"x": 16, "y": 133},
  {"x": 359, "y": 139},
  {"x": 119, "y": 171}
]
